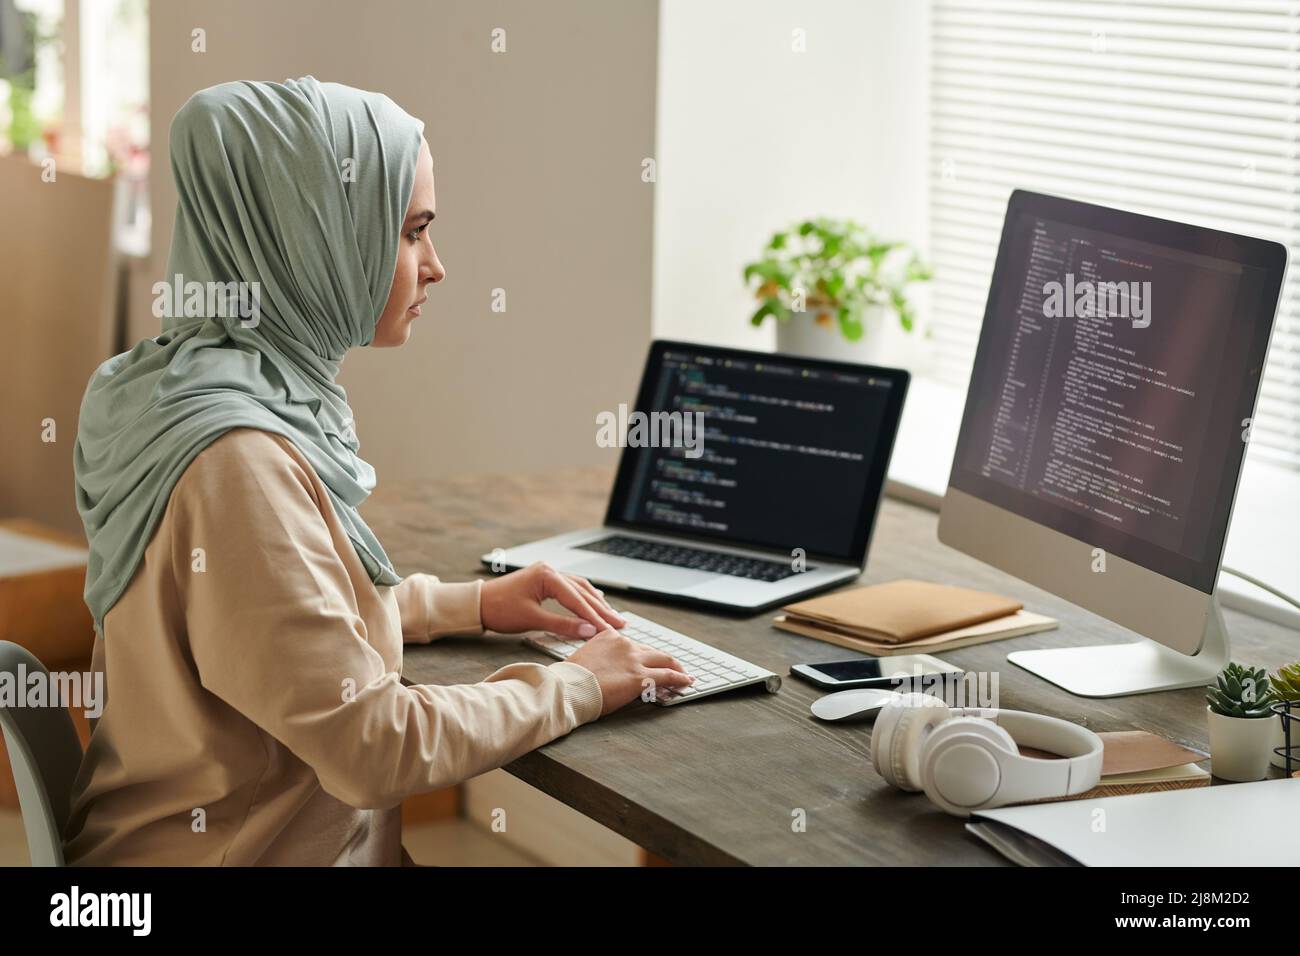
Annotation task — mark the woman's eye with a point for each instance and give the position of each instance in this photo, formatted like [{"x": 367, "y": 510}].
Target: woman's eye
[{"x": 414, "y": 234}]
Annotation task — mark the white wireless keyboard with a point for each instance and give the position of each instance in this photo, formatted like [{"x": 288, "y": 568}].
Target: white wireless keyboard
[{"x": 714, "y": 670}]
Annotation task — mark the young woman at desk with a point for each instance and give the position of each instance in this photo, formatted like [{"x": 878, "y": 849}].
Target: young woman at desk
[{"x": 249, "y": 623}]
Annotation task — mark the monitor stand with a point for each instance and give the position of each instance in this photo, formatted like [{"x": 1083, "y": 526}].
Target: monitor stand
[{"x": 1142, "y": 667}]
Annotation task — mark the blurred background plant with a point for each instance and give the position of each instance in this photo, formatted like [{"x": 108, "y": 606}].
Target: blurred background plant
[
  {"x": 23, "y": 33},
  {"x": 74, "y": 83},
  {"x": 836, "y": 271}
]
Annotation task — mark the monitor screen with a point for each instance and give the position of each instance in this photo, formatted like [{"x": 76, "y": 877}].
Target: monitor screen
[
  {"x": 1115, "y": 377},
  {"x": 794, "y": 451}
]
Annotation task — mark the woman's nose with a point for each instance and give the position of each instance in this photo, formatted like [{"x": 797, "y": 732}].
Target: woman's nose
[{"x": 433, "y": 270}]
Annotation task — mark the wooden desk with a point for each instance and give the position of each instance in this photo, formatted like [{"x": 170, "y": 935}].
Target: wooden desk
[{"x": 718, "y": 781}]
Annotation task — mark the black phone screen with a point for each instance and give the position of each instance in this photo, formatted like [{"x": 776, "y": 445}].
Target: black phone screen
[{"x": 879, "y": 668}]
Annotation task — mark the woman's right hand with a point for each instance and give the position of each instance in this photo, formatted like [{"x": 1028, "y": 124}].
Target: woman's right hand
[{"x": 626, "y": 669}]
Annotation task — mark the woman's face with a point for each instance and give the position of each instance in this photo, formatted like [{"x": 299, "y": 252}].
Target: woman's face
[{"x": 417, "y": 263}]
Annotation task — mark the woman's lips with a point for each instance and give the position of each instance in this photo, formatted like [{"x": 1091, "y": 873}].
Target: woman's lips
[{"x": 415, "y": 309}]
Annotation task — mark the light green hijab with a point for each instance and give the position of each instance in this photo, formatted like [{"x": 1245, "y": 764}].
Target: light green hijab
[{"x": 301, "y": 187}]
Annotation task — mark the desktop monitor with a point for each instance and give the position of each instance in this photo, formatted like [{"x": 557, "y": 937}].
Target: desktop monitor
[{"x": 1105, "y": 425}]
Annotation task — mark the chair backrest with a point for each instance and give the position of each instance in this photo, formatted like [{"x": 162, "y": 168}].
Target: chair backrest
[{"x": 45, "y": 753}]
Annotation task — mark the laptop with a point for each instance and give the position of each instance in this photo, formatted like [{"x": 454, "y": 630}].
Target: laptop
[{"x": 746, "y": 479}]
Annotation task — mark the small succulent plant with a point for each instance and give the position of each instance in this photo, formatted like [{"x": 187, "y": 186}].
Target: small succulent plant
[
  {"x": 1241, "y": 692},
  {"x": 1286, "y": 682}
]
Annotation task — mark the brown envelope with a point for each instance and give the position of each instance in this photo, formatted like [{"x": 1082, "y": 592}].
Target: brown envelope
[
  {"x": 1132, "y": 751},
  {"x": 902, "y": 611}
]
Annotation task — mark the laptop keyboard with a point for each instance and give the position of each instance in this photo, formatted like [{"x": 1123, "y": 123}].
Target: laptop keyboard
[{"x": 699, "y": 559}]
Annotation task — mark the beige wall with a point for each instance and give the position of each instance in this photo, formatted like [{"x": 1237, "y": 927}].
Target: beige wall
[
  {"x": 537, "y": 156},
  {"x": 56, "y": 298}
]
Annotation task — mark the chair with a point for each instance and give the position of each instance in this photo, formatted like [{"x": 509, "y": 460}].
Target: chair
[{"x": 45, "y": 752}]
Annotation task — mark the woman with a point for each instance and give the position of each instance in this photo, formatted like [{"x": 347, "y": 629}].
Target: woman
[{"x": 248, "y": 622}]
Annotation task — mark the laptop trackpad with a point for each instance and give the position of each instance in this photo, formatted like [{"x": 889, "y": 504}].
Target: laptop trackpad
[{"x": 631, "y": 572}]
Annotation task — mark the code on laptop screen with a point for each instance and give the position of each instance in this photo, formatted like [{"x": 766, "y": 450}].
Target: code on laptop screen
[{"x": 784, "y": 459}]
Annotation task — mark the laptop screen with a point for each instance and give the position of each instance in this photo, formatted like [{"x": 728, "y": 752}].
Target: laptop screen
[{"x": 756, "y": 449}]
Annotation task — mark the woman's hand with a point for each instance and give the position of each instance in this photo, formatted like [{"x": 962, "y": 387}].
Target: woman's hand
[
  {"x": 627, "y": 670},
  {"x": 624, "y": 668},
  {"x": 513, "y": 603}
]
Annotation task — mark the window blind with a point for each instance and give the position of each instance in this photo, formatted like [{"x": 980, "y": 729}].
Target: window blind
[{"x": 1187, "y": 110}]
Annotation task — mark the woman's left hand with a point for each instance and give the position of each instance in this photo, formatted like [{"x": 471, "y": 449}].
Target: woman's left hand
[{"x": 513, "y": 603}]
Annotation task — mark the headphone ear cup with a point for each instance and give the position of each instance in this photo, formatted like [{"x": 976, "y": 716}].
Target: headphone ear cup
[
  {"x": 981, "y": 726},
  {"x": 901, "y": 729},
  {"x": 960, "y": 782}
]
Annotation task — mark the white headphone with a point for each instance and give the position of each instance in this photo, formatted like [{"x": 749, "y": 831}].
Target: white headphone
[{"x": 966, "y": 759}]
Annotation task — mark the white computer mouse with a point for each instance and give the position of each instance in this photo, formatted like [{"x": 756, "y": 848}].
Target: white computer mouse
[{"x": 859, "y": 703}]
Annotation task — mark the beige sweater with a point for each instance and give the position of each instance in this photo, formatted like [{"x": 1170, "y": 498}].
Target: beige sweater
[{"x": 254, "y": 709}]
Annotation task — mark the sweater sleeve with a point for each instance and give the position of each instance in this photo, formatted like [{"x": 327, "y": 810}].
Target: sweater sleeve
[
  {"x": 431, "y": 608},
  {"x": 274, "y": 631}
]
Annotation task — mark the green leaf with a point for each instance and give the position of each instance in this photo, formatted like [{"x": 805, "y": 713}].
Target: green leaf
[
  {"x": 850, "y": 325},
  {"x": 769, "y": 307},
  {"x": 905, "y": 317}
]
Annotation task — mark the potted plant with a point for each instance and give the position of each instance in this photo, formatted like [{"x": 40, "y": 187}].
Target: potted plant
[
  {"x": 1285, "y": 685},
  {"x": 1242, "y": 727},
  {"x": 830, "y": 285}
]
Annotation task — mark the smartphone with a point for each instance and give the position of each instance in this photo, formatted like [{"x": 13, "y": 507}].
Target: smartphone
[{"x": 894, "y": 672}]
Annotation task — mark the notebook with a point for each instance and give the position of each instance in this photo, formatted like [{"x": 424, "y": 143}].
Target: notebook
[
  {"x": 1241, "y": 824},
  {"x": 1013, "y": 625},
  {"x": 900, "y": 612},
  {"x": 1135, "y": 761}
]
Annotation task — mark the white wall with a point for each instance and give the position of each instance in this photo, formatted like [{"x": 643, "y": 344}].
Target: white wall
[
  {"x": 752, "y": 136},
  {"x": 537, "y": 158}
]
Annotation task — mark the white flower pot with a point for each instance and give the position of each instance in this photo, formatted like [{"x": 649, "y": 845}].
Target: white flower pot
[
  {"x": 802, "y": 335},
  {"x": 1241, "y": 747}
]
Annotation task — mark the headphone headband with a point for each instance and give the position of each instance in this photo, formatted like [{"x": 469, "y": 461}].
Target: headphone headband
[{"x": 1040, "y": 731}]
